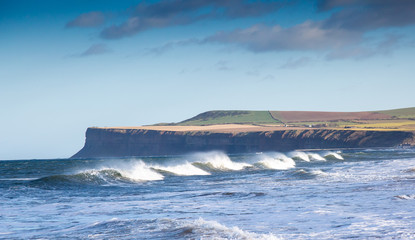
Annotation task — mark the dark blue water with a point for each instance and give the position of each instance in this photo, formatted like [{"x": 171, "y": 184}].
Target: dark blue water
[{"x": 299, "y": 195}]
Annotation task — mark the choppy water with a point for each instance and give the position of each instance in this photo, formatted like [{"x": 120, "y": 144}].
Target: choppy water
[{"x": 296, "y": 195}]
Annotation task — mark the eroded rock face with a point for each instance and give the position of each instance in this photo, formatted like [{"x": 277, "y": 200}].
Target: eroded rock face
[{"x": 106, "y": 142}]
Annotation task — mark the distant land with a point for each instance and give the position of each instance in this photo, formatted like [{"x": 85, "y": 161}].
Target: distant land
[{"x": 255, "y": 131}]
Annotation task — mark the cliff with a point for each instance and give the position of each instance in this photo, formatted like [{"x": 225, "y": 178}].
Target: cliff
[{"x": 115, "y": 142}]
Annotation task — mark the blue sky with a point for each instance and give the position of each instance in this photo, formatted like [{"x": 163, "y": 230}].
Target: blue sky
[{"x": 68, "y": 65}]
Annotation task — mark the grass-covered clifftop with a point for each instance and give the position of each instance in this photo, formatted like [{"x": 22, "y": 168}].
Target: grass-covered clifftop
[
  {"x": 255, "y": 131},
  {"x": 231, "y": 117},
  {"x": 403, "y": 113},
  {"x": 402, "y": 119}
]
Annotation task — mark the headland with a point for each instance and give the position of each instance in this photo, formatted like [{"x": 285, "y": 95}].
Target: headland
[{"x": 255, "y": 131}]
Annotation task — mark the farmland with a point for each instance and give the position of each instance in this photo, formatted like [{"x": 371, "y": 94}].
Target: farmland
[{"x": 397, "y": 119}]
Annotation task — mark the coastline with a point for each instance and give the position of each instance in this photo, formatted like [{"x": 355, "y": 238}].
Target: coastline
[{"x": 232, "y": 139}]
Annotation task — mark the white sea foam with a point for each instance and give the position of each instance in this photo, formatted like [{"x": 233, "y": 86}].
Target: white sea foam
[
  {"x": 219, "y": 161},
  {"x": 17, "y": 179},
  {"x": 133, "y": 170},
  {"x": 141, "y": 172},
  {"x": 335, "y": 155},
  {"x": 202, "y": 229},
  {"x": 406, "y": 197},
  {"x": 299, "y": 155},
  {"x": 197, "y": 164},
  {"x": 316, "y": 157},
  {"x": 186, "y": 169},
  {"x": 277, "y": 161},
  {"x": 319, "y": 172}
]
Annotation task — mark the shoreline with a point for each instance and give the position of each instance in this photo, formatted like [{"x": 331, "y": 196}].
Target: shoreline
[{"x": 145, "y": 141}]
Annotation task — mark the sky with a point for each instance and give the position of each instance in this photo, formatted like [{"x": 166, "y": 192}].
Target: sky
[{"x": 72, "y": 64}]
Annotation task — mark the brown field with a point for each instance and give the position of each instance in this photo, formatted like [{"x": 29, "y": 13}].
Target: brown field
[
  {"x": 308, "y": 116},
  {"x": 226, "y": 128},
  {"x": 238, "y": 128}
]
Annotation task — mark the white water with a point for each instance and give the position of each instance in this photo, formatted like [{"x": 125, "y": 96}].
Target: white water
[
  {"x": 135, "y": 170},
  {"x": 204, "y": 163},
  {"x": 186, "y": 169},
  {"x": 214, "y": 230},
  {"x": 277, "y": 161},
  {"x": 366, "y": 196},
  {"x": 316, "y": 157},
  {"x": 333, "y": 154},
  {"x": 219, "y": 161},
  {"x": 299, "y": 155}
]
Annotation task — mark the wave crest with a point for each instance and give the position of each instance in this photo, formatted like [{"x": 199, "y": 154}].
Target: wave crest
[
  {"x": 135, "y": 171},
  {"x": 218, "y": 161},
  {"x": 202, "y": 229},
  {"x": 333, "y": 155},
  {"x": 277, "y": 161}
]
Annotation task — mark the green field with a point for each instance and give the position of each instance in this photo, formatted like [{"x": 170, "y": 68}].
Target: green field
[
  {"x": 394, "y": 119},
  {"x": 230, "y": 117},
  {"x": 404, "y": 113}
]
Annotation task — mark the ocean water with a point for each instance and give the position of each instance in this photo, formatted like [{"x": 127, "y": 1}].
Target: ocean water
[{"x": 363, "y": 194}]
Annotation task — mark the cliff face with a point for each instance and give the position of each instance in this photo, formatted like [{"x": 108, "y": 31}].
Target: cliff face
[{"x": 102, "y": 142}]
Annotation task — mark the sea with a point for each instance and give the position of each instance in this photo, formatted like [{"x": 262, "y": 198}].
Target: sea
[{"x": 325, "y": 194}]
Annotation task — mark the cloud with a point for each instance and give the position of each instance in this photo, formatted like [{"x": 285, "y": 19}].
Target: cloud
[
  {"x": 365, "y": 15},
  {"x": 306, "y": 36},
  {"x": 341, "y": 35},
  {"x": 269, "y": 77},
  {"x": 168, "y": 13},
  {"x": 91, "y": 19},
  {"x": 384, "y": 47},
  {"x": 296, "y": 63},
  {"x": 223, "y": 66},
  {"x": 96, "y": 49},
  {"x": 170, "y": 45},
  {"x": 252, "y": 73}
]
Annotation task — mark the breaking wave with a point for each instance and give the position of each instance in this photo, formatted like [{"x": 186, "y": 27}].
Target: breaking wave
[
  {"x": 202, "y": 229},
  {"x": 138, "y": 170},
  {"x": 217, "y": 161},
  {"x": 125, "y": 173},
  {"x": 277, "y": 161},
  {"x": 167, "y": 229},
  {"x": 332, "y": 155},
  {"x": 406, "y": 197},
  {"x": 186, "y": 169}
]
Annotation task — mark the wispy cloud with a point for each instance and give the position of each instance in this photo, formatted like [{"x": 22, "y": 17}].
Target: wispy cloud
[
  {"x": 384, "y": 47},
  {"x": 170, "y": 45},
  {"x": 342, "y": 35},
  {"x": 223, "y": 66},
  {"x": 96, "y": 49},
  {"x": 296, "y": 63},
  {"x": 269, "y": 77},
  {"x": 364, "y": 15},
  {"x": 90, "y": 19},
  {"x": 306, "y": 36},
  {"x": 168, "y": 13}
]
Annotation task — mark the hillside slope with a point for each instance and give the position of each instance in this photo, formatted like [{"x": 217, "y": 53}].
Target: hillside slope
[
  {"x": 403, "y": 113},
  {"x": 230, "y": 117},
  {"x": 403, "y": 119}
]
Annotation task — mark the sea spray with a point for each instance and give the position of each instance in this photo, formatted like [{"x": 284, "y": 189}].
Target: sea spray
[
  {"x": 203, "y": 229},
  {"x": 117, "y": 171},
  {"x": 316, "y": 157},
  {"x": 332, "y": 155},
  {"x": 134, "y": 170},
  {"x": 186, "y": 169},
  {"x": 277, "y": 161},
  {"x": 299, "y": 156},
  {"x": 218, "y": 160}
]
